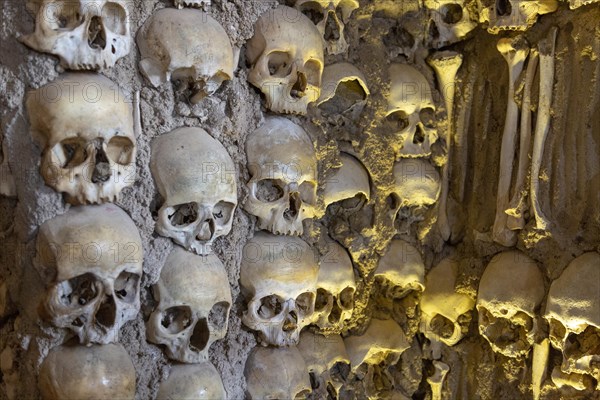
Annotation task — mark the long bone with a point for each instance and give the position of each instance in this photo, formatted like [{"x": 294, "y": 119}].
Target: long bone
[
  {"x": 436, "y": 381},
  {"x": 515, "y": 52},
  {"x": 446, "y": 65},
  {"x": 518, "y": 204},
  {"x": 547, "y": 48}
]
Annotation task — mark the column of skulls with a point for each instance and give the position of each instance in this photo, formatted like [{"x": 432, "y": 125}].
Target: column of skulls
[{"x": 89, "y": 258}]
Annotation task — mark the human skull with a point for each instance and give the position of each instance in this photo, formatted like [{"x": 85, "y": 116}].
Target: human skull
[
  {"x": 203, "y": 4},
  {"x": 450, "y": 21},
  {"x": 514, "y": 15},
  {"x": 7, "y": 181},
  {"x": 196, "y": 178},
  {"x": 344, "y": 91},
  {"x": 509, "y": 299},
  {"x": 91, "y": 260},
  {"x": 573, "y": 4},
  {"x": 84, "y": 34},
  {"x": 330, "y": 18},
  {"x": 411, "y": 112},
  {"x": 276, "y": 373},
  {"x": 87, "y": 372},
  {"x": 287, "y": 70},
  {"x": 283, "y": 184},
  {"x": 445, "y": 313},
  {"x": 85, "y": 125},
  {"x": 192, "y": 382},
  {"x": 573, "y": 313},
  {"x": 327, "y": 362},
  {"x": 335, "y": 290},
  {"x": 372, "y": 353},
  {"x": 194, "y": 300},
  {"x": 349, "y": 182},
  {"x": 278, "y": 276},
  {"x": 399, "y": 282},
  {"x": 188, "y": 46}
]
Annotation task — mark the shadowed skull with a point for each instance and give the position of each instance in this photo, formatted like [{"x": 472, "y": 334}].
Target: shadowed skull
[
  {"x": 91, "y": 260},
  {"x": 450, "y": 21},
  {"x": 513, "y": 15}
]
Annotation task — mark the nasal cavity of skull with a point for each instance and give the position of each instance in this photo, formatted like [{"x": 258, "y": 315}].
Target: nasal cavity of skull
[
  {"x": 126, "y": 287},
  {"x": 107, "y": 312},
  {"x": 291, "y": 212},
  {"x": 102, "y": 171},
  {"x": 63, "y": 17},
  {"x": 441, "y": 326},
  {"x": 299, "y": 88},
  {"x": 119, "y": 149},
  {"x": 503, "y": 8},
  {"x": 96, "y": 34},
  {"x": 323, "y": 299},
  {"x": 451, "y": 13},
  {"x": 396, "y": 121},
  {"x": 200, "y": 335},
  {"x": 70, "y": 153},
  {"x": 270, "y": 307},
  {"x": 280, "y": 64},
  {"x": 176, "y": 319},
  {"x": 313, "y": 11},
  {"x": 291, "y": 322},
  {"x": 347, "y": 94},
  {"x": 586, "y": 343},
  {"x": 269, "y": 190},
  {"x": 183, "y": 214},
  {"x": 217, "y": 317},
  {"x": 332, "y": 29},
  {"x": 79, "y": 291}
]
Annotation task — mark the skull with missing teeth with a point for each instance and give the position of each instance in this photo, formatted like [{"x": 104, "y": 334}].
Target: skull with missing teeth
[
  {"x": 330, "y": 18},
  {"x": 194, "y": 300},
  {"x": 411, "y": 112},
  {"x": 279, "y": 280},
  {"x": 573, "y": 313},
  {"x": 286, "y": 58},
  {"x": 91, "y": 259},
  {"x": 196, "y": 178},
  {"x": 86, "y": 127},
  {"x": 84, "y": 34},
  {"x": 509, "y": 299},
  {"x": 513, "y": 15},
  {"x": 187, "y": 46},
  {"x": 283, "y": 186}
]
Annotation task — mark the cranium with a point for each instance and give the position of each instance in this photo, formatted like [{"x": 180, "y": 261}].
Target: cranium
[
  {"x": 516, "y": 15},
  {"x": 194, "y": 300},
  {"x": 85, "y": 125},
  {"x": 91, "y": 260},
  {"x": 273, "y": 373},
  {"x": 450, "y": 21},
  {"x": 343, "y": 91},
  {"x": 372, "y": 353},
  {"x": 327, "y": 362},
  {"x": 87, "y": 372},
  {"x": 510, "y": 294},
  {"x": 573, "y": 313},
  {"x": 399, "y": 282},
  {"x": 188, "y": 46},
  {"x": 335, "y": 289},
  {"x": 330, "y": 18},
  {"x": 196, "y": 178},
  {"x": 286, "y": 70},
  {"x": 446, "y": 314},
  {"x": 283, "y": 183},
  {"x": 411, "y": 112},
  {"x": 84, "y": 34},
  {"x": 192, "y": 382},
  {"x": 203, "y": 4},
  {"x": 350, "y": 182},
  {"x": 278, "y": 276},
  {"x": 7, "y": 181}
]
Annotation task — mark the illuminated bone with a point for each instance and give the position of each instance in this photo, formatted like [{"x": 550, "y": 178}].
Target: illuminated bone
[
  {"x": 192, "y": 382},
  {"x": 203, "y": 4},
  {"x": 450, "y": 20},
  {"x": 436, "y": 381},
  {"x": 513, "y": 15}
]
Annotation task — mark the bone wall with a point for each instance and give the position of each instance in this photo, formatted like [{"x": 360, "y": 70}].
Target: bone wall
[{"x": 569, "y": 189}]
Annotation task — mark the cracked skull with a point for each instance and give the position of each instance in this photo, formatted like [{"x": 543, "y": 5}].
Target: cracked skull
[
  {"x": 335, "y": 289},
  {"x": 196, "y": 178},
  {"x": 573, "y": 313},
  {"x": 84, "y": 34},
  {"x": 287, "y": 70},
  {"x": 513, "y": 15},
  {"x": 283, "y": 183},
  {"x": 185, "y": 46},
  {"x": 192, "y": 382},
  {"x": 446, "y": 314},
  {"x": 91, "y": 259},
  {"x": 450, "y": 21},
  {"x": 86, "y": 127},
  {"x": 193, "y": 306},
  {"x": 330, "y": 18},
  {"x": 276, "y": 373},
  {"x": 411, "y": 112},
  {"x": 279, "y": 280},
  {"x": 508, "y": 302},
  {"x": 344, "y": 91}
]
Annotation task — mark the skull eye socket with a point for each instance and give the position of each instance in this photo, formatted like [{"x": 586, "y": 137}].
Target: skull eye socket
[
  {"x": 269, "y": 190},
  {"x": 322, "y": 300},
  {"x": 176, "y": 319},
  {"x": 79, "y": 291},
  {"x": 313, "y": 69},
  {"x": 313, "y": 11},
  {"x": 127, "y": 287},
  {"x": 396, "y": 121},
  {"x": 280, "y": 64},
  {"x": 346, "y": 299},
  {"x": 182, "y": 215},
  {"x": 442, "y": 326},
  {"x": 120, "y": 150},
  {"x": 270, "y": 306},
  {"x": 70, "y": 153},
  {"x": 222, "y": 212},
  {"x": 451, "y": 13},
  {"x": 114, "y": 18},
  {"x": 427, "y": 116},
  {"x": 217, "y": 317},
  {"x": 557, "y": 332},
  {"x": 307, "y": 192},
  {"x": 305, "y": 303},
  {"x": 62, "y": 15}
]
